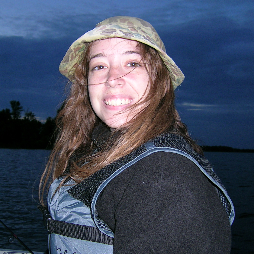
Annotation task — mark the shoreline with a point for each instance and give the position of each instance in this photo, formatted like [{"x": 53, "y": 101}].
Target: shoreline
[{"x": 205, "y": 149}]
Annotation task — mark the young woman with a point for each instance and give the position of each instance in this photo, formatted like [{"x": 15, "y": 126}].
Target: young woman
[{"x": 124, "y": 175}]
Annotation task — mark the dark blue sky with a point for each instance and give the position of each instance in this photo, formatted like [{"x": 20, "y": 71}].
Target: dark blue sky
[{"x": 212, "y": 41}]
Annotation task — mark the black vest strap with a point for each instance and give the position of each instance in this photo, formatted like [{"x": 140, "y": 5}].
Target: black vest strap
[
  {"x": 82, "y": 232},
  {"x": 77, "y": 231}
]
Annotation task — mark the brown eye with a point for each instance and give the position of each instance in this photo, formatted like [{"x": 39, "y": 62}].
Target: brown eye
[
  {"x": 133, "y": 64},
  {"x": 98, "y": 67}
]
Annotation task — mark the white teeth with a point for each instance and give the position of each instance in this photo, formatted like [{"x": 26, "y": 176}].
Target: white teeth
[{"x": 117, "y": 102}]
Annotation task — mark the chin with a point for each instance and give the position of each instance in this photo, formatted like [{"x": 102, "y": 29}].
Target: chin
[{"x": 116, "y": 124}]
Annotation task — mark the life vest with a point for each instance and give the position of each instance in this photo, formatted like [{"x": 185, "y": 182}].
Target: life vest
[{"x": 97, "y": 231}]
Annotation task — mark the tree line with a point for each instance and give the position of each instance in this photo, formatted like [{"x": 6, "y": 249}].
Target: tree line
[
  {"x": 26, "y": 132},
  {"x": 20, "y": 129}
]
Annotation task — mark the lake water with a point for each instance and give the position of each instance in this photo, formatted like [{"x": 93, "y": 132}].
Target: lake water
[{"x": 20, "y": 171}]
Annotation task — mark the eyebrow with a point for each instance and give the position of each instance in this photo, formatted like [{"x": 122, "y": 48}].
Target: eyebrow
[
  {"x": 128, "y": 52},
  {"x": 97, "y": 55},
  {"x": 131, "y": 52}
]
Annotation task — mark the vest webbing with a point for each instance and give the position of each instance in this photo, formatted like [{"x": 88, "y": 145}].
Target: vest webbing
[
  {"x": 77, "y": 231},
  {"x": 81, "y": 232}
]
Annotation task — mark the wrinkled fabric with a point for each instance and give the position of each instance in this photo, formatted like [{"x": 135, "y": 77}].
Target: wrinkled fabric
[
  {"x": 120, "y": 27},
  {"x": 63, "y": 207}
]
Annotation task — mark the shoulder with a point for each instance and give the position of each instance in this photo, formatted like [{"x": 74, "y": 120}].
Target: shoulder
[
  {"x": 167, "y": 193},
  {"x": 159, "y": 174},
  {"x": 162, "y": 170}
]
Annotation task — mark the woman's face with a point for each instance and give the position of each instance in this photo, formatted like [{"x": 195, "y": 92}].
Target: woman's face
[{"x": 117, "y": 79}]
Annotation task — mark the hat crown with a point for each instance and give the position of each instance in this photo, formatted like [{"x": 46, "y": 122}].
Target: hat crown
[{"x": 131, "y": 27}]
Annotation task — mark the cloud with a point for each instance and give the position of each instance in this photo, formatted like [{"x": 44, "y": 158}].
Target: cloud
[
  {"x": 211, "y": 53},
  {"x": 211, "y": 41},
  {"x": 219, "y": 124},
  {"x": 221, "y": 109},
  {"x": 196, "y": 106},
  {"x": 29, "y": 73}
]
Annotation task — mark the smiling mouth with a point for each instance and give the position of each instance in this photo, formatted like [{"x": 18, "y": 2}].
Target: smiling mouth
[{"x": 117, "y": 102}]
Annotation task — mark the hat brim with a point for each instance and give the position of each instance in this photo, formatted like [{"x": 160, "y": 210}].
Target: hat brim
[{"x": 75, "y": 53}]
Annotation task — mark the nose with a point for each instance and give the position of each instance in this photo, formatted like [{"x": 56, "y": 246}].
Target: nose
[{"x": 115, "y": 77}]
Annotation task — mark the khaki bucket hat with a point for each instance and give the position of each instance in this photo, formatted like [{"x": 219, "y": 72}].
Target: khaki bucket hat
[{"x": 120, "y": 27}]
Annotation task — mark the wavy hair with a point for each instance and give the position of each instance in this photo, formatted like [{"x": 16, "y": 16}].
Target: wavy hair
[{"x": 77, "y": 120}]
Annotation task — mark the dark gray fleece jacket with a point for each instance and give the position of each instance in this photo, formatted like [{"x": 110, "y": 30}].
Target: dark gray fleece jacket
[{"x": 164, "y": 204}]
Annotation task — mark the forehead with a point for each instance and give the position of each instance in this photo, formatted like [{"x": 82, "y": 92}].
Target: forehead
[{"x": 113, "y": 45}]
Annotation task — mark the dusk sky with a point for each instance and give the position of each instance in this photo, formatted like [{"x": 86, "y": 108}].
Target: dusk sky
[{"x": 212, "y": 41}]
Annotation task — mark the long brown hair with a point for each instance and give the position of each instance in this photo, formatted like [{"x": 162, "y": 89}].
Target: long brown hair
[{"x": 76, "y": 122}]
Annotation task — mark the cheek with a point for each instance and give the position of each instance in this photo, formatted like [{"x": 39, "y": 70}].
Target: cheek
[
  {"x": 140, "y": 83},
  {"x": 143, "y": 86}
]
